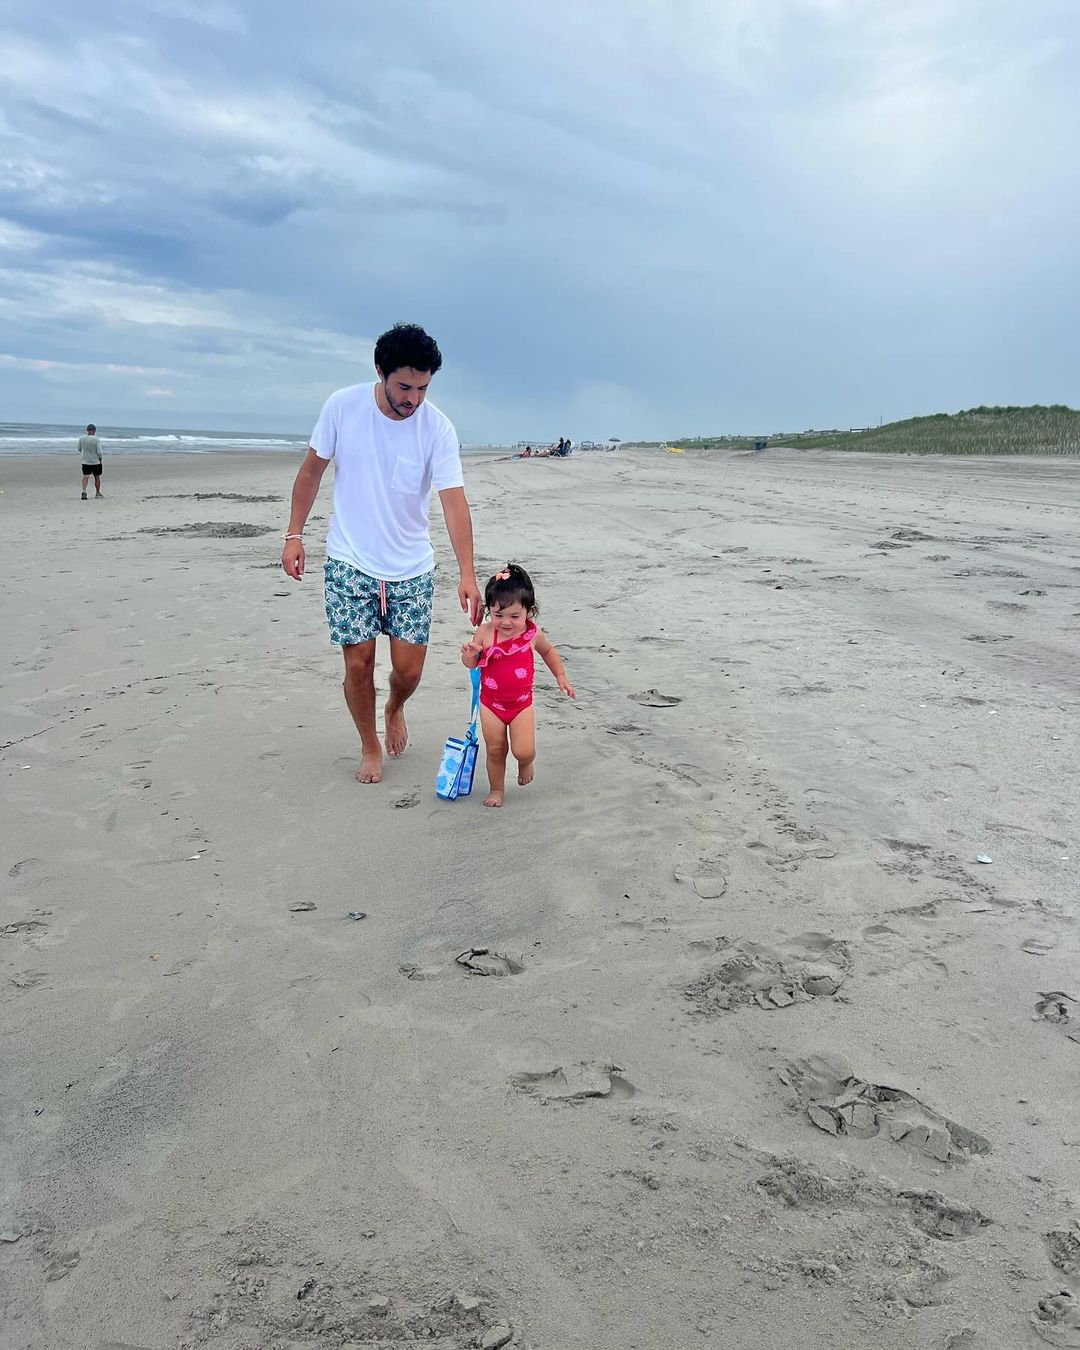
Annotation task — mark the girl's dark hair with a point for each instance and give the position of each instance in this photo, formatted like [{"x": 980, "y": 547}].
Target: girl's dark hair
[
  {"x": 511, "y": 586},
  {"x": 406, "y": 344}
]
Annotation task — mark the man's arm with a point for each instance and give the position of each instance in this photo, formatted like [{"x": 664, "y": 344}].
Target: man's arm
[
  {"x": 305, "y": 490},
  {"x": 455, "y": 510}
]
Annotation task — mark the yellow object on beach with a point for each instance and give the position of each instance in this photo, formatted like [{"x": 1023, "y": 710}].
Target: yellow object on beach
[{"x": 674, "y": 450}]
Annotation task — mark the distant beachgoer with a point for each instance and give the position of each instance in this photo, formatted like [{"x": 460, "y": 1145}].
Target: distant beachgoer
[
  {"x": 503, "y": 649},
  {"x": 90, "y": 455},
  {"x": 389, "y": 447}
]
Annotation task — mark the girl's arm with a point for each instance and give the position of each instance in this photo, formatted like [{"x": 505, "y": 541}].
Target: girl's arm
[
  {"x": 548, "y": 653},
  {"x": 472, "y": 650}
]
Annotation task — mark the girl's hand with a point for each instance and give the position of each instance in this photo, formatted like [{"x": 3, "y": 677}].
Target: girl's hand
[
  {"x": 471, "y": 651},
  {"x": 567, "y": 687}
]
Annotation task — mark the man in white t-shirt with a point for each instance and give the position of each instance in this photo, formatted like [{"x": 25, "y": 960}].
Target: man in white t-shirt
[{"x": 389, "y": 448}]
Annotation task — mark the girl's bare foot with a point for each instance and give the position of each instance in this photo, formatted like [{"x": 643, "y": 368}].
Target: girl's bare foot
[
  {"x": 370, "y": 770},
  {"x": 493, "y": 799},
  {"x": 525, "y": 775}
]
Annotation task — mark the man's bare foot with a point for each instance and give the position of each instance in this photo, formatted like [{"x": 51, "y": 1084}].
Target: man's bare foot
[
  {"x": 370, "y": 770},
  {"x": 397, "y": 733},
  {"x": 525, "y": 776},
  {"x": 493, "y": 799}
]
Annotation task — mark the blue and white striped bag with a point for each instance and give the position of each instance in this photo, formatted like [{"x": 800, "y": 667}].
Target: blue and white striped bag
[{"x": 455, "y": 776}]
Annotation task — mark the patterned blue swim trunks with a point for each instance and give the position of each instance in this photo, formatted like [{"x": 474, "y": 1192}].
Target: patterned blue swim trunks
[{"x": 359, "y": 607}]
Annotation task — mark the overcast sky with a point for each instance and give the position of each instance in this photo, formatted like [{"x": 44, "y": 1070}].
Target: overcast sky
[{"x": 635, "y": 218}]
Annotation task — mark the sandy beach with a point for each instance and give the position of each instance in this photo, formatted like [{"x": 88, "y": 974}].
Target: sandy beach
[{"x": 766, "y": 1055}]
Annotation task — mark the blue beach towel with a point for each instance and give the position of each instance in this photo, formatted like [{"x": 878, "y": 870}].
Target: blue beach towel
[{"x": 455, "y": 776}]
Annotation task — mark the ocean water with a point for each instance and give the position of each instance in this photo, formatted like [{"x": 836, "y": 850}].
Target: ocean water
[{"x": 44, "y": 438}]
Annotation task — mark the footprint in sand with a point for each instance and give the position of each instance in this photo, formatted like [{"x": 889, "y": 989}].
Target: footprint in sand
[
  {"x": 653, "y": 698},
  {"x": 840, "y": 1103},
  {"x": 800, "y": 1185},
  {"x": 27, "y": 979},
  {"x": 917, "y": 1286},
  {"x": 809, "y": 966},
  {"x": 1060, "y": 1010},
  {"x": 483, "y": 961},
  {"x": 17, "y": 869},
  {"x": 705, "y": 873},
  {"x": 899, "y": 959},
  {"x": 28, "y": 928},
  {"x": 791, "y": 862},
  {"x": 472, "y": 961},
  {"x": 946, "y": 1220},
  {"x": 410, "y": 799},
  {"x": 61, "y": 1264},
  {"x": 1057, "y": 1319},
  {"x": 577, "y": 1082},
  {"x": 411, "y": 971},
  {"x": 1063, "y": 1248}
]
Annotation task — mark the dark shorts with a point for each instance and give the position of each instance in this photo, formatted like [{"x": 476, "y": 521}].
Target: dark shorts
[
  {"x": 358, "y": 608},
  {"x": 94, "y": 469}
]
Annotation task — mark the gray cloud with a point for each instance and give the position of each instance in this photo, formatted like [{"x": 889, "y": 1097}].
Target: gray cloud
[{"x": 771, "y": 212}]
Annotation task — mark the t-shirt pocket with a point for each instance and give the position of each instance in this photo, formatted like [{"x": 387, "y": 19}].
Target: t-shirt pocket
[{"x": 408, "y": 475}]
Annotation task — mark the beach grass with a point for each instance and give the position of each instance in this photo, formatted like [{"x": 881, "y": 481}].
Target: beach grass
[{"x": 1034, "y": 430}]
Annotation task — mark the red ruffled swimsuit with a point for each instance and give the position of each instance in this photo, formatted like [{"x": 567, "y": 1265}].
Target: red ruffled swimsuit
[{"x": 506, "y": 675}]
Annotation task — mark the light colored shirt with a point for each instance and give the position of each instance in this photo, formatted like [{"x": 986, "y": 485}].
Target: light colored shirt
[
  {"x": 90, "y": 449},
  {"x": 384, "y": 471}
]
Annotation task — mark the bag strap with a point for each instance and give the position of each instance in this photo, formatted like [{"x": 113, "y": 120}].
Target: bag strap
[{"x": 474, "y": 711}]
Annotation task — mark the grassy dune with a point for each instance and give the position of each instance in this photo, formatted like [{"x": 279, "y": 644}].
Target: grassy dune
[{"x": 976, "y": 431}]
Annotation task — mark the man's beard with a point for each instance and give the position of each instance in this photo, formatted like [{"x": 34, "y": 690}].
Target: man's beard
[{"x": 399, "y": 408}]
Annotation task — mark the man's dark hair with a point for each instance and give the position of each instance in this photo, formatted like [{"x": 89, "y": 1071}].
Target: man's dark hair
[
  {"x": 91, "y": 428},
  {"x": 406, "y": 344}
]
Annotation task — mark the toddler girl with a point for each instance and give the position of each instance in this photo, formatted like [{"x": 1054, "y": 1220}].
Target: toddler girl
[{"x": 503, "y": 649}]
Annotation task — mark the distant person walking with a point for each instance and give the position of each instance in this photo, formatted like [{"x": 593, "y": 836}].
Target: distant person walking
[
  {"x": 389, "y": 449},
  {"x": 90, "y": 454}
]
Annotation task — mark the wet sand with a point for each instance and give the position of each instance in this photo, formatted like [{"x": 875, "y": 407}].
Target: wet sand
[{"x": 769, "y": 1057}]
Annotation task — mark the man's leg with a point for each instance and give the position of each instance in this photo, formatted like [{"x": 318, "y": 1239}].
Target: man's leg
[
  {"x": 408, "y": 621},
  {"x": 360, "y": 697},
  {"x": 85, "y": 480},
  {"x": 406, "y": 667},
  {"x": 97, "y": 484}
]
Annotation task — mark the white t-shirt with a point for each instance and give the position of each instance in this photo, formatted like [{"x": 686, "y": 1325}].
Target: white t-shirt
[{"x": 384, "y": 471}]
